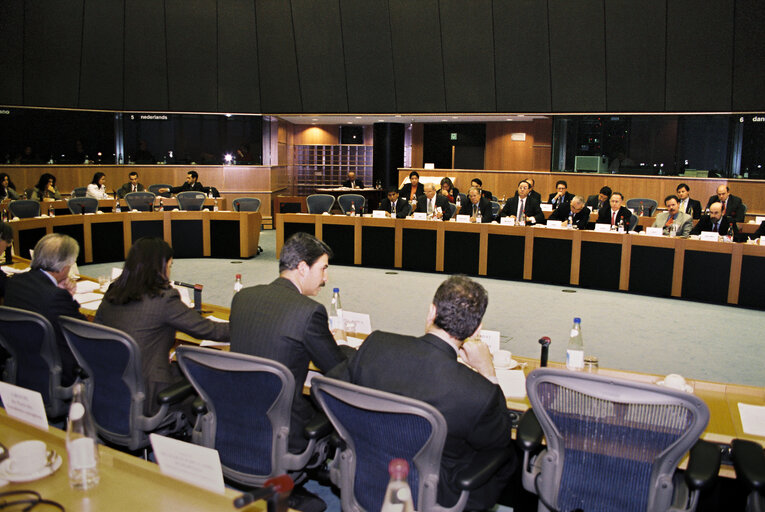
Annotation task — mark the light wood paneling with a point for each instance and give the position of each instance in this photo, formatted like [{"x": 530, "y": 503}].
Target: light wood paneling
[
  {"x": 532, "y": 154},
  {"x": 418, "y": 130},
  {"x": 316, "y": 134}
]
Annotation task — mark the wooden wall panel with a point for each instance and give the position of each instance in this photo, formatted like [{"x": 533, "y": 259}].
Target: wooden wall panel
[
  {"x": 278, "y": 71},
  {"x": 418, "y": 132},
  {"x": 145, "y": 56},
  {"x": 12, "y": 53},
  {"x": 749, "y": 55},
  {"x": 103, "y": 38},
  {"x": 237, "y": 76},
  {"x": 533, "y": 154},
  {"x": 319, "y": 134}
]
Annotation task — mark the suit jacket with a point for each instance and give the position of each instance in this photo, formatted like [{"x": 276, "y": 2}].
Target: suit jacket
[
  {"x": 532, "y": 193},
  {"x": 9, "y": 193},
  {"x": 406, "y": 191},
  {"x": 604, "y": 216},
  {"x": 760, "y": 231},
  {"x": 487, "y": 194},
  {"x": 422, "y": 205},
  {"x": 35, "y": 291},
  {"x": 127, "y": 188},
  {"x": 483, "y": 205},
  {"x": 196, "y": 187},
  {"x": 705, "y": 224},
  {"x": 694, "y": 208},
  {"x": 566, "y": 199},
  {"x": 426, "y": 369},
  {"x": 580, "y": 219},
  {"x": 531, "y": 208},
  {"x": 357, "y": 181},
  {"x": 152, "y": 323},
  {"x": 277, "y": 322},
  {"x": 401, "y": 207},
  {"x": 733, "y": 209},
  {"x": 594, "y": 203},
  {"x": 682, "y": 221}
]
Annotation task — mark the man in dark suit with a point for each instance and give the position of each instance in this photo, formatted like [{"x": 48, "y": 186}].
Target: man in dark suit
[
  {"x": 406, "y": 192},
  {"x": 434, "y": 203},
  {"x": 477, "y": 183},
  {"x": 523, "y": 202},
  {"x": 759, "y": 232},
  {"x": 616, "y": 213},
  {"x": 561, "y": 196},
  {"x": 598, "y": 201},
  {"x": 581, "y": 214},
  {"x": 732, "y": 206},
  {"x": 47, "y": 289},
  {"x": 192, "y": 184},
  {"x": 688, "y": 205},
  {"x": 279, "y": 321},
  {"x": 426, "y": 368},
  {"x": 478, "y": 207},
  {"x": 715, "y": 221},
  {"x": 533, "y": 193},
  {"x": 131, "y": 186},
  {"x": 353, "y": 181},
  {"x": 393, "y": 205},
  {"x": 6, "y": 239}
]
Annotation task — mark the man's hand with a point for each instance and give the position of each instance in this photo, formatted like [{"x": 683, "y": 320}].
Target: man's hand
[
  {"x": 477, "y": 355},
  {"x": 68, "y": 285}
]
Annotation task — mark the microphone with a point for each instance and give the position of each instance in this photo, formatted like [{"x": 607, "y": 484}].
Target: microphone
[
  {"x": 545, "y": 342},
  {"x": 276, "y": 490},
  {"x": 197, "y": 293}
]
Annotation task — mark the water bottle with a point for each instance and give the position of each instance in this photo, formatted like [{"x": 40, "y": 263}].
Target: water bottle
[
  {"x": 729, "y": 235},
  {"x": 161, "y": 206},
  {"x": 398, "y": 495},
  {"x": 215, "y": 204},
  {"x": 336, "y": 324},
  {"x": 117, "y": 207},
  {"x": 81, "y": 443},
  {"x": 209, "y": 194},
  {"x": 458, "y": 204},
  {"x": 571, "y": 220},
  {"x": 620, "y": 228},
  {"x": 575, "y": 348},
  {"x": 522, "y": 219},
  {"x": 641, "y": 210},
  {"x": 673, "y": 230},
  {"x": 352, "y": 212},
  {"x": 51, "y": 211},
  {"x": 238, "y": 283}
]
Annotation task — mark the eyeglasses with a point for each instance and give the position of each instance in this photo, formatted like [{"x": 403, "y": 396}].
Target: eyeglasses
[{"x": 27, "y": 500}]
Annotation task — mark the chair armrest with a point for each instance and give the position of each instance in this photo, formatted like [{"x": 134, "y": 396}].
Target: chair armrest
[
  {"x": 749, "y": 461},
  {"x": 175, "y": 393},
  {"x": 482, "y": 468},
  {"x": 336, "y": 442},
  {"x": 199, "y": 406},
  {"x": 529, "y": 434},
  {"x": 317, "y": 427},
  {"x": 703, "y": 465}
]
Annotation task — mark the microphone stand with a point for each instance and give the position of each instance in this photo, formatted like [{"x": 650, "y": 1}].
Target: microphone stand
[{"x": 545, "y": 342}]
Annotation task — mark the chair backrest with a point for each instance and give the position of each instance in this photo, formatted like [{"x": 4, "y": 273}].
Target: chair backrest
[
  {"x": 78, "y": 205},
  {"x": 649, "y": 205},
  {"x": 345, "y": 200},
  {"x": 248, "y": 401},
  {"x": 24, "y": 208},
  {"x": 154, "y": 189},
  {"x": 633, "y": 222},
  {"x": 191, "y": 200},
  {"x": 246, "y": 204},
  {"x": 494, "y": 208},
  {"x": 463, "y": 198},
  {"x": 141, "y": 201},
  {"x": 319, "y": 203},
  {"x": 376, "y": 427},
  {"x": 611, "y": 444},
  {"x": 35, "y": 362},
  {"x": 453, "y": 209},
  {"x": 79, "y": 191}
]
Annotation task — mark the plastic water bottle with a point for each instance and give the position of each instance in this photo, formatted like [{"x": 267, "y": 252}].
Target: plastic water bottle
[
  {"x": 729, "y": 235},
  {"x": 215, "y": 204},
  {"x": 51, "y": 211},
  {"x": 117, "y": 207},
  {"x": 238, "y": 283},
  {"x": 522, "y": 219},
  {"x": 620, "y": 228},
  {"x": 81, "y": 443},
  {"x": 641, "y": 210},
  {"x": 161, "y": 206},
  {"x": 398, "y": 495},
  {"x": 353, "y": 209},
  {"x": 673, "y": 230},
  {"x": 458, "y": 203},
  {"x": 336, "y": 323},
  {"x": 571, "y": 220},
  {"x": 575, "y": 348}
]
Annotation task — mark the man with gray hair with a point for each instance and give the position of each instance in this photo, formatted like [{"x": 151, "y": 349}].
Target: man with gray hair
[
  {"x": 575, "y": 211},
  {"x": 47, "y": 289}
]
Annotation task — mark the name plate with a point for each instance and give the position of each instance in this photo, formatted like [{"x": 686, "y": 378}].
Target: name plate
[
  {"x": 379, "y": 214},
  {"x": 24, "y": 404},
  {"x": 603, "y": 228},
  {"x": 463, "y": 218},
  {"x": 507, "y": 221},
  {"x": 420, "y": 216},
  {"x": 546, "y": 207},
  {"x": 654, "y": 231},
  {"x": 709, "y": 236},
  {"x": 555, "y": 224},
  {"x": 188, "y": 462}
]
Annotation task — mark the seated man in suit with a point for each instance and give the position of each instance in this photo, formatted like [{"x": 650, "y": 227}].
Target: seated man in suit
[
  {"x": 731, "y": 205},
  {"x": 759, "y": 232},
  {"x": 192, "y": 184},
  {"x": 412, "y": 190},
  {"x": 435, "y": 205},
  {"x": 478, "y": 207},
  {"x": 533, "y": 193},
  {"x": 477, "y": 183},
  {"x": 616, "y": 214},
  {"x": 47, "y": 289},
  {"x": 673, "y": 216},
  {"x": 600, "y": 200},
  {"x": 561, "y": 196},
  {"x": 714, "y": 221},
  {"x": 393, "y": 205},
  {"x": 688, "y": 205},
  {"x": 574, "y": 211},
  {"x": 131, "y": 186},
  {"x": 426, "y": 368},
  {"x": 353, "y": 181},
  {"x": 522, "y": 202}
]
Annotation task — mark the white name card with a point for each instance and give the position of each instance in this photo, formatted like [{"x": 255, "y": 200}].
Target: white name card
[
  {"x": 188, "y": 462},
  {"x": 24, "y": 405},
  {"x": 463, "y": 218},
  {"x": 379, "y": 214},
  {"x": 555, "y": 224},
  {"x": 654, "y": 231},
  {"x": 508, "y": 221},
  {"x": 491, "y": 339},
  {"x": 759, "y": 220},
  {"x": 420, "y": 216},
  {"x": 603, "y": 228},
  {"x": 546, "y": 207},
  {"x": 709, "y": 236},
  {"x": 355, "y": 323}
]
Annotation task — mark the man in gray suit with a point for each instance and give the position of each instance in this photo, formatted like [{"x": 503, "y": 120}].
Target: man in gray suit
[{"x": 673, "y": 216}]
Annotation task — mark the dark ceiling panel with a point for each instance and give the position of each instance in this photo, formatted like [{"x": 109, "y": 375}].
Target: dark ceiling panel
[
  {"x": 522, "y": 56},
  {"x": 577, "y": 56},
  {"x": 417, "y": 60},
  {"x": 145, "y": 56},
  {"x": 279, "y": 82},
  {"x": 52, "y": 47},
  {"x": 238, "y": 87},
  {"x": 12, "y": 52},
  {"x": 101, "y": 79},
  {"x": 749, "y": 56},
  {"x": 192, "y": 55},
  {"x": 368, "y": 56},
  {"x": 699, "y": 55}
]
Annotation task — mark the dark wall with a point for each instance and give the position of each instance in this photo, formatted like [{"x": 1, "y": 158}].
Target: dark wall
[{"x": 288, "y": 56}]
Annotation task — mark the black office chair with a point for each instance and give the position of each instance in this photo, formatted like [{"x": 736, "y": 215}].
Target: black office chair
[
  {"x": 79, "y": 192},
  {"x": 191, "y": 201},
  {"x": 115, "y": 389},
  {"x": 453, "y": 209},
  {"x": 78, "y": 205},
  {"x": 649, "y": 205},
  {"x": 35, "y": 361},
  {"x": 749, "y": 462},
  {"x": 346, "y": 200},
  {"x": 140, "y": 201},
  {"x": 319, "y": 203},
  {"x": 633, "y": 222},
  {"x": 495, "y": 209},
  {"x": 24, "y": 208},
  {"x": 154, "y": 189},
  {"x": 246, "y": 204},
  {"x": 247, "y": 402}
]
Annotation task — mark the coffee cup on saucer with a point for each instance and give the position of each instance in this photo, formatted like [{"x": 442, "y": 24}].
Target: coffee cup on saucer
[
  {"x": 676, "y": 381},
  {"x": 503, "y": 358},
  {"x": 27, "y": 457}
]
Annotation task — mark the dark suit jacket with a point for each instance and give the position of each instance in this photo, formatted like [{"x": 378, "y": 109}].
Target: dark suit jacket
[
  {"x": 426, "y": 369},
  {"x": 406, "y": 191},
  {"x": 277, "y": 322},
  {"x": 401, "y": 207},
  {"x": 531, "y": 209},
  {"x": 127, "y": 188},
  {"x": 35, "y": 291},
  {"x": 3, "y": 279},
  {"x": 196, "y": 187},
  {"x": 594, "y": 203},
  {"x": 705, "y": 224},
  {"x": 483, "y": 205},
  {"x": 760, "y": 231},
  {"x": 604, "y": 216},
  {"x": 359, "y": 183},
  {"x": 422, "y": 205},
  {"x": 487, "y": 194},
  {"x": 566, "y": 198},
  {"x": 733, "y": 209},
  {"x": 152, "y": 323},
  {"x": 580, "y": 219},
  {"x": 694, "y": 208}
]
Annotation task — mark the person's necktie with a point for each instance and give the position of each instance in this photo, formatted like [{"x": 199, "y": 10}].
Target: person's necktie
[
  {"x": 134, "y": 188},
  {"x": 669, "y": 221},
  {"x": 430, "y": 206},
  {"x": 393, "y": 208},
  {"x": 475, "y": 210},
  {"x": 723, "y": 206},
  {"x": 613, "y": 218},
  {"x": 520, "y": 208},
  {"x": 715, "y": 226}
]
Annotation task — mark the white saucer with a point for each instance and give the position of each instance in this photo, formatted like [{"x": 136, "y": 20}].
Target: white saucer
[
  {"x": 513, "y": 363},
  {"x": 7, "y": 474},
  {"x": 687, "y": 388}
]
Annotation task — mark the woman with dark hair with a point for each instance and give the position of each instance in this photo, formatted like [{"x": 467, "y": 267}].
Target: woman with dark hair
[
  {"x": 449, "y": 190},
  {"x": 46, "y": 188},
  {"x": 7, "y": 188},
  {"x": 6, "y": 239},
  {"x": 97, "y": 187},
  {"x": 412, "y": 190},
  {"x": 142, "y": 303}
]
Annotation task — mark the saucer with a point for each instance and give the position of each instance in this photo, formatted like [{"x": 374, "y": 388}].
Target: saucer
[
  {"x": 48, "y": 469},
  {"x": 512, "y": 364},
  {"x": 687, "y": 388}
]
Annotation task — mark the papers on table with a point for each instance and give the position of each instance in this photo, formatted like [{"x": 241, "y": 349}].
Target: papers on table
[
  {"x": 24, "y": 404},
  {"x": 752, "y": 418},
  {"x": 188, "y": 462},
  {"x": 11, "y": 270},
  {"x": 184, "y": 292},
  {"x": 85, "y": 298},
  {"x": 116, "y": 272},
  {"x": 379, "y": 214},
  {"x": 86, "y": 286},
  {"x": 555, "y": 224},
  {"x": 463, "y": 218},
  {"x": 355, "y": 323},
  {"x": 512, "y": 382},
  {"x": 420, "y": 216},
  {"x": 491, "y": 339},
  {"x": 211, "y": 343}
]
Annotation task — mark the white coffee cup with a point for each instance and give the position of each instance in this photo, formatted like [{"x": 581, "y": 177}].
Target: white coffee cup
[
  {"x": 503, "y": 358},
  {"x": 27, "y": 457},
  {"x": 675, "y": 381}
]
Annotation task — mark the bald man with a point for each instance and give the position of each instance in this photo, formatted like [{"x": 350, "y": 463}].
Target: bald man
[
  {"x": 715, "y": 221},
  {"x": 732, "y": 206}
]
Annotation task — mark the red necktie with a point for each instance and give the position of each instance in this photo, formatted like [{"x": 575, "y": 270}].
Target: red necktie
[
  {"x": 723, "y": 208},
  {"x": 669, "y": 221},
  {"x": 613, "y": 218}
]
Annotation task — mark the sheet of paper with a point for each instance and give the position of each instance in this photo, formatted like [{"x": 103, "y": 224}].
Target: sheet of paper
[
  {"x": 86, "y": 286},
  {"x": 758, "y": 219},
  {"x": 654, "y": 231},
  {"x": 216, "y": 319},
  {"x": 92, "y": 306},
  {"x": 84, "y": 298},
  {"x": 752, "y": 418},
  {"x": 356, "y": 323},
  {"x": 116, "y": 272},
  {"x": 24, "y": 404},
  {"x": 508, "y": 221},
  {"x": 185, "y": 297},
  {"x": 491, "y": 339},
  {"x": 211, "y": 343},
  {"x": 512, "y": 382},
  {"x": 188, "y": 462},
  {"x": 602, "y": 227},
  {"x": 11, "y": 270}
]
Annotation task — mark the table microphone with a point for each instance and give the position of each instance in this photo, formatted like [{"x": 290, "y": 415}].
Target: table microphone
[
  {"x": 545, "y": 342},
  {"x": 275, "y": 490},
  {"x": 197, "y": 293}
]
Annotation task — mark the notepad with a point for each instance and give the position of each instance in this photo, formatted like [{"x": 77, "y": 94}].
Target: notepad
[
  {"x": 512, "y": 382},
  {"x": 752, "y": 418}
]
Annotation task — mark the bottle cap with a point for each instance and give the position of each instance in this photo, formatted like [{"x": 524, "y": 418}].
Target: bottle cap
[
  {"x": 76, "y": 411},
  {"x": 398, "y": 468},
  {"x": 239, "y": 276},
  {"x": 335, "y": 290},
  {"x": 577, "y": 320}
]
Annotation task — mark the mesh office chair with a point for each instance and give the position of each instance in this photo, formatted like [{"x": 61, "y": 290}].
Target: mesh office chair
[
  {"x": 749, "y": 461},
  {"x": 24, "y": 208},
  {"x": 248, "y": 401},
  {"x": 495, "y": 209},
  {"x": 649, "y": 205},
  {"x": 114, "y": 387},
  {"x": 613, "y": 444},
  {"x": 463, "y": 198},
  {"x": 246, "y": 204},
  {"x": 141, "y": 201},
  {"x": 34, "y": 362},
  {"x": 191, "y": 201},
  {"x": 453, "y": 209},
  {"x": 78, "y": 205},
  {"x": 345, "y": 201},
  {"x": 79, "y": 191},
  {"x": 154, "y": 189},
  {"x": 633, "y": 222},
  {"x": 319, "y": 203}
]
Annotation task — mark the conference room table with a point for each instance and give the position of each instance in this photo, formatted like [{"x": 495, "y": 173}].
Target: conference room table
[{"x": 60, "y": 206}]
